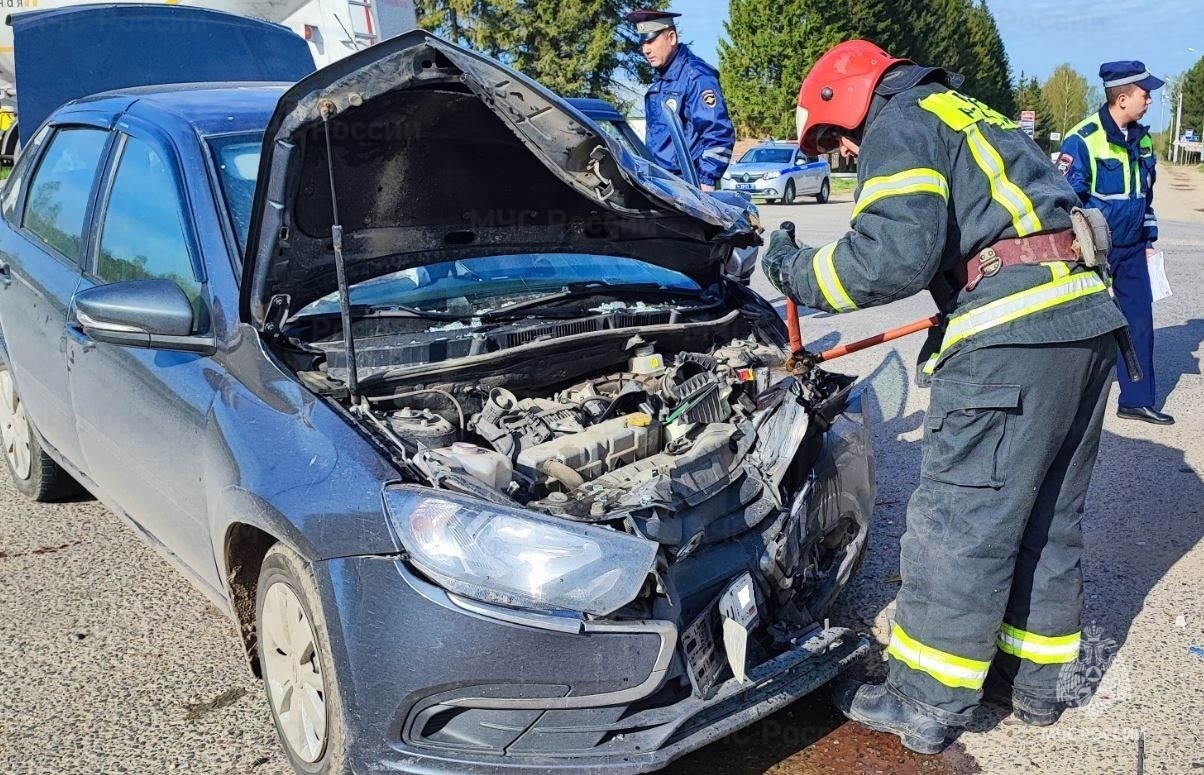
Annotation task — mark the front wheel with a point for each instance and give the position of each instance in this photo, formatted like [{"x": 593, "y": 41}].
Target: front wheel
[
  {"x": 297, "y": 667},
  {"x": 824, "y": 190},
  {"x": 788, "y": 193},
  {"x": 34, "y": 473}
]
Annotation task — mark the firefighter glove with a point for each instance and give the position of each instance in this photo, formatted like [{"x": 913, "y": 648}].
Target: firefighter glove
[{"x": 778, "y": 260}]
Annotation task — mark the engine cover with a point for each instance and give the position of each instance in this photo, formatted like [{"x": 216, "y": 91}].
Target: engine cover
[{"x": 595, "y": 451}]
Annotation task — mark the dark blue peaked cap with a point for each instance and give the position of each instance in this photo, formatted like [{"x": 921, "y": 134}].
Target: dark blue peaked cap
[
  {"x": 649, "y": 24},
  {"x": 1126, "y": 72}
]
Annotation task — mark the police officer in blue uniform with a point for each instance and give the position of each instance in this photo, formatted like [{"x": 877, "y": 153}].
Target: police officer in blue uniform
[
  {"x": 1108, "y": 158},
  {"x": 689, "y": 87}
]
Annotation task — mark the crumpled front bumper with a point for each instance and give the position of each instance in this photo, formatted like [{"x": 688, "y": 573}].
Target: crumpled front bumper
[{"x": 438, "y": 684}]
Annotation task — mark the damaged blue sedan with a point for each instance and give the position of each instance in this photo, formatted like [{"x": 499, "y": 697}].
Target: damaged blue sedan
[{"x": 441, "y": 394}]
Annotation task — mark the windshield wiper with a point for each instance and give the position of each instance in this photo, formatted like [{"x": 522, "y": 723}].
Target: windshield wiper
[{"x": 591, "y": 288}]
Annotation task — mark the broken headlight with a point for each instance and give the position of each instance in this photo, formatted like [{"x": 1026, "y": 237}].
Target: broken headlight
[{"x": 518, "y": 558}]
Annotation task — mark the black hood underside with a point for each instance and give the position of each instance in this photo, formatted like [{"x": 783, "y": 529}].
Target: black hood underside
[{"x": 440, "y": 154}]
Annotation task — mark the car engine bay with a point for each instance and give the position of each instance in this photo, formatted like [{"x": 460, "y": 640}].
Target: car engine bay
[{"x": 685, "y": 430}]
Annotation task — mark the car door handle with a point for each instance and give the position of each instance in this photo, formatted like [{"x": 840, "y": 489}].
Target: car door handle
[
  {"x": 78, "y": 336},
  {"x": 6, "y": 274}
]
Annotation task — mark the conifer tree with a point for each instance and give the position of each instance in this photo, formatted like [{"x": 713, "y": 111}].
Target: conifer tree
[{"x": 576, "y": 48}]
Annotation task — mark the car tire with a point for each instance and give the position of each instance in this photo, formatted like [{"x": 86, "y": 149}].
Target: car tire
[
  {"x": 34, "y": 473},
  {"x": 297, "y": 666},
  {"x": 788, "y": 193},
  {"x": 824, "y": 191}
]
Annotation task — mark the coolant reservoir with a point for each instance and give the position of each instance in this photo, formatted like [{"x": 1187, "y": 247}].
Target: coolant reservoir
[
  {"x": 492, "y": 468},
  {"x": 646, "y": 361}
]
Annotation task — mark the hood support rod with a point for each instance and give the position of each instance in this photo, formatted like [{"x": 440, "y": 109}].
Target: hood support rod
[{"x": 340, "y": 264}]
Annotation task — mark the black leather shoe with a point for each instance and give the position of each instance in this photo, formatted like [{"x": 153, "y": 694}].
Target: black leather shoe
[
  {"x": 1030, "y": 710},
  {"x": 1145, "y": 414},
  {"x": 876, "y": 707}
]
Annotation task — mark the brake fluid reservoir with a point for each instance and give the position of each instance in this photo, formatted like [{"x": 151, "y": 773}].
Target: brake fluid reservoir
[{"x": 492, "y": 468}]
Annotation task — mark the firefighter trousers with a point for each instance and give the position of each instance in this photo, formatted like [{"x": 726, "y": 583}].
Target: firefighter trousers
[{"x": 990, "y": 559}]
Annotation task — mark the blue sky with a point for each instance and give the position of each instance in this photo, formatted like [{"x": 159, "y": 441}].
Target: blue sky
[{"x": 1040, "y": 35}]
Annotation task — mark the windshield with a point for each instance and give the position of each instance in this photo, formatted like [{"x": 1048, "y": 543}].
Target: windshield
[
  {"x": 767, "y": 156},
  {"x": 237, "y": 161},
  {"x": 473, "y": 286}
]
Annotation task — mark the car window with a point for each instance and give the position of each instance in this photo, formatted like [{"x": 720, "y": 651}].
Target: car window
[
  {"x": 58, "y": 196},
  {"x": 142, "y": 236},
  {"x": 766, "y": 156},
  {"x": 615, "y": 130},
  {"x": 21, "y": 170},
  {"x": 237, "y": 160}
]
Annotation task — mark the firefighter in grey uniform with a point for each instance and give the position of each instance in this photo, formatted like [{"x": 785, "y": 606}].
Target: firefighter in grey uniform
[{"x": 954, "y": 198}]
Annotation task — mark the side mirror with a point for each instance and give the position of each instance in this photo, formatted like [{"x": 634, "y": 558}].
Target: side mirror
[{"x": 141, "y": 313}]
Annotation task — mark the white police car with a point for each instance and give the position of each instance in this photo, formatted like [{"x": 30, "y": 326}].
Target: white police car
[{"x": 777, "y": 170}]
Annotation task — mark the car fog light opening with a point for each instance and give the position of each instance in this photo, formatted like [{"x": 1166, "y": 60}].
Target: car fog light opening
[{"x": 518, "y": 558}]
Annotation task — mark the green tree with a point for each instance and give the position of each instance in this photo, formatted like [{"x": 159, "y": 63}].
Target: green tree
[
  {"x": 768, "y": 50},
  {"x": 1193, "y": 98},
  {"x": 991, "y": 80},
  {"x": 578, "y": 48},
  {"x": 1066, "y": 93},
  {"x": 770, "y": 47},
  {"x": 1029, "y": 97},
  {"x": 943, "y": 29}
]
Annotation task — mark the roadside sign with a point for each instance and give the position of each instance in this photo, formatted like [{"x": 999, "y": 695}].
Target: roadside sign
[
  {"x": 1189, "y": 135},
  {"x": 1028, "y": 122},
  {"x": 1055, "y": 136}
]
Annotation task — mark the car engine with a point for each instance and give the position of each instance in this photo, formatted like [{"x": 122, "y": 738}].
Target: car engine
[
  {"x": 688, "y": 433},
  {"x": 667, "y": 432}
]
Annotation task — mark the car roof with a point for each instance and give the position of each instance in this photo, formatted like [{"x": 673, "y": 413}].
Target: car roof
[
  {"x": 211, "y": 108},
  {"x": 596, "y": 108}
]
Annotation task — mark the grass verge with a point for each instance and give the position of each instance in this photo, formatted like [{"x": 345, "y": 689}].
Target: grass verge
[{"x": 843, "y": 185}]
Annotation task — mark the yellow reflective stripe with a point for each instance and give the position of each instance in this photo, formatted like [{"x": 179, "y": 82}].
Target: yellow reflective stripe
[
  {"x": 1058, "y": 268},
  {"x": 1041, "y": 649},
  {"x": 1003, "y": 191},
  {"x": 930, "y": 364},
  {"x": 914, "y": 181},
  {"x": 829, "y": 283},
  {"x": 1009, "y": 308},
  {"x": 947, "y": 668}
]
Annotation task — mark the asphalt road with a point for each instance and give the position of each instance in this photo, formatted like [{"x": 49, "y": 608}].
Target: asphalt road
[{"x": 111, "y": 662}]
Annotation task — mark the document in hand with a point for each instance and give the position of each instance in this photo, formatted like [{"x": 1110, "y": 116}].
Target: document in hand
[{"x": 1160, "y": 287}]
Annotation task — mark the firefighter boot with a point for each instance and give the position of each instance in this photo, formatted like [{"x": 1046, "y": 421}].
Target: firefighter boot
[
  {"x": 1031, "y": 710},
  {"x": 877, "y": 707}
]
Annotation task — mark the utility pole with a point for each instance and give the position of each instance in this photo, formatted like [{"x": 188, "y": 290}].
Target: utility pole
[{"x": 1178, "y": 122}]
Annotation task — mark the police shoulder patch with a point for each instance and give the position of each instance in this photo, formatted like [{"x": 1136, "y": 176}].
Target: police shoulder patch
[
  {"x": 709, "y": 99},
  {"x": 1065, "y": 162}
]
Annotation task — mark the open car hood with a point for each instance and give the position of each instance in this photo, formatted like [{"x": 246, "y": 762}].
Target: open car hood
[{"x": 437, "y": 154}]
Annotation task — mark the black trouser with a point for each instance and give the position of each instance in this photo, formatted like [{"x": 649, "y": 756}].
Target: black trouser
[{"x": 991, "y": 556}]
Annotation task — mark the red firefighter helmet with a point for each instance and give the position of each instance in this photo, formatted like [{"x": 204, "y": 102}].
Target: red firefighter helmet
[{"x": 836, "y": 93}]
